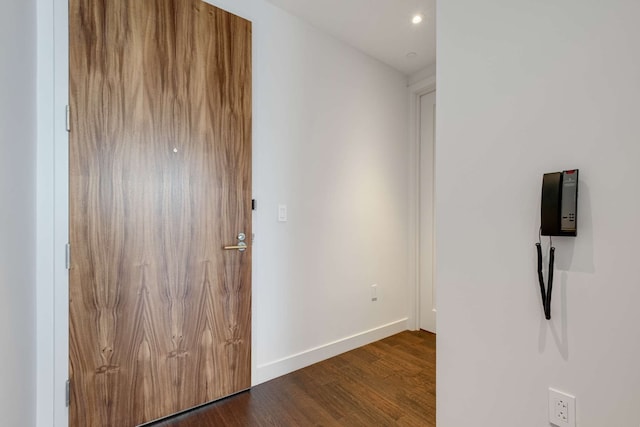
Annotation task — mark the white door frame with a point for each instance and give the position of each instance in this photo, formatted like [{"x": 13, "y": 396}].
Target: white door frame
[
  {"x": 52, "y": 291},
  {"x": 416, "y": 91}
]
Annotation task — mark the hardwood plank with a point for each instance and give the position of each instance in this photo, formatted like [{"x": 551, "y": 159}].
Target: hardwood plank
[{"x": 387, "y": 383}]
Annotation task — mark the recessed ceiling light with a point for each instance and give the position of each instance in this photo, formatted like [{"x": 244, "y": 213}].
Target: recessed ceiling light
[
  {"x": 411, "y": 55},
  {"x": 416, "y": 19}
]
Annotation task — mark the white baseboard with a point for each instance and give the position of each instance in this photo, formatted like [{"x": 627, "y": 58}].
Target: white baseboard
[{"x": 271, "y": 370}]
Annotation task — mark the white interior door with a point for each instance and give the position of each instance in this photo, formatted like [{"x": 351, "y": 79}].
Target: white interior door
[{"x": 426, "y": 218}]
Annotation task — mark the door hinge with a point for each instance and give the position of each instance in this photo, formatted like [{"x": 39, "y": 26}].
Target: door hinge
[
  {"x": 67, "y": 388},
  {"x": 68, "y": 118},
  {"x": 67, "y": 255},
  {"x": 254, "y": 205}
]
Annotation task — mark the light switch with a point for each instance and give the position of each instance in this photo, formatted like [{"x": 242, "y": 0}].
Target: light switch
[{"x": 282, "y": 213}]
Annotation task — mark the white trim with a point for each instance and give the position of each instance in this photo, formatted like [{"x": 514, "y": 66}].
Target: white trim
[
  {"x": 271, "y": 370},
  {"x": 53, "y": 214},
  {"x": 416, "y": 90},
  {"x": 44, "y": 217}
]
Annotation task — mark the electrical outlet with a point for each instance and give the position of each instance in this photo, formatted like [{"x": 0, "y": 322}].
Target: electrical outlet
[
  {"x": 374, "y": 292},
  {"x": 562, "y": 409}
]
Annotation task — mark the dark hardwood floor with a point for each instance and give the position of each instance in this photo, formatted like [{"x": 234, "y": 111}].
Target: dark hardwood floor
[{"x": 388, "y": 383}]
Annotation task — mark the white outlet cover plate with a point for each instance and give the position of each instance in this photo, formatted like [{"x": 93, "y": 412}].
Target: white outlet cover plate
[{"x": 562, "y": 409}]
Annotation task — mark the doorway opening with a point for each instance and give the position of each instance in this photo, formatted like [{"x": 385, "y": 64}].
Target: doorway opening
[
  {"x": 423, "y": 111},
  {"x": 426, "y": 175}
]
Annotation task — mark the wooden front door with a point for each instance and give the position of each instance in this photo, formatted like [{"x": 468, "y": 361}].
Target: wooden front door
[{"x": 160, "y": 182}]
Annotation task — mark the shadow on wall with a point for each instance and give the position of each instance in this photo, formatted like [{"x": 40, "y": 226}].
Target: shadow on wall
[{"x": 557, "y": 325}]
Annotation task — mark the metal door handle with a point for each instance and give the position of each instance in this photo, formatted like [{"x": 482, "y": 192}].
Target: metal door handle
[{"x": 242, "y": 246}]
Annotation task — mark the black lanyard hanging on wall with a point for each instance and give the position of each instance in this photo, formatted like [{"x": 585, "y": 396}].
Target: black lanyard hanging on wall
[{"x": 546, "y": 291}]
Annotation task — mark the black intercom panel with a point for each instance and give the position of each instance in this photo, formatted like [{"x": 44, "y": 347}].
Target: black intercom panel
[
  {"x": 558, "y": 217},
  {"x": 559, "y": 207}
]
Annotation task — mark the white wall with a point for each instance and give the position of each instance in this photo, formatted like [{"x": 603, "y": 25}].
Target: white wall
[
  {"x": 330, "y": 142},
  {"x": 424, "y": 74},
  {"x": 17, "y": 212},
  {"x": 527, "y": 87}
]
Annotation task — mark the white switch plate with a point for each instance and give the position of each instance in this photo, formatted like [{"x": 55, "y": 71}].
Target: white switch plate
[
  {"x": 374, "y": 292},
  {"x": 282, "y": 213},
  {"x": 562, "y": 409}
]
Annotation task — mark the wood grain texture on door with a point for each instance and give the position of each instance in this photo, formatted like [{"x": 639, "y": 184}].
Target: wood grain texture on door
[{"x": 160, "y": 181}]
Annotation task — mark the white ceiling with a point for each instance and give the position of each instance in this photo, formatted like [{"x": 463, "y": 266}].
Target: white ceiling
[{"x": 380, "y": 28}]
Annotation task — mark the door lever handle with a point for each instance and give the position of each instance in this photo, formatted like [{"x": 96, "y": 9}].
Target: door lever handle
[{"x": 241, "y": 247}]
